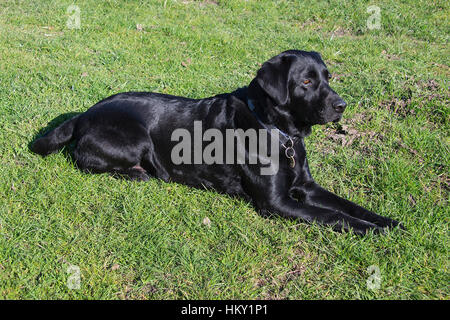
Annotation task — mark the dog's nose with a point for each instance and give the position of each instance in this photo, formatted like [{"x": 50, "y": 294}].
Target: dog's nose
[{"x": 339, "y": 106}]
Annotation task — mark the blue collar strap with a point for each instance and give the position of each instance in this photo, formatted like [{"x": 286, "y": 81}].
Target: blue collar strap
[
  {"x": 252, "y": 108},
  {"x": 288, "y": 143}
]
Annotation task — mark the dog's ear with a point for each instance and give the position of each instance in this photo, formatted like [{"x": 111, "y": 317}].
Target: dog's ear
[{"x": 273, "y": 78}]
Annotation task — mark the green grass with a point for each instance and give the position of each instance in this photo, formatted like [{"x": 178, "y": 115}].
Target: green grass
[{"x": 147, "y": 240}]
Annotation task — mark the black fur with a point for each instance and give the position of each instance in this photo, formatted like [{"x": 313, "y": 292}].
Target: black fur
[{"x": 130, "y": 134}]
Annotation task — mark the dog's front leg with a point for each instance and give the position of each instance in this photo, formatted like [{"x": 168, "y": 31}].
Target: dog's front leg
[
  {"x": 290, "y": 208},
  {"x": 313, "y": 194}
]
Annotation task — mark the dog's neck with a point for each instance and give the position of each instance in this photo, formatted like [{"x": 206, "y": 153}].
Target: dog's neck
[{"x": 267, "y": 112}]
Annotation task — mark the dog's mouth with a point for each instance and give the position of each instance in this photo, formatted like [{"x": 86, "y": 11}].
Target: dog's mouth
[{"x": 337, "y": 119}]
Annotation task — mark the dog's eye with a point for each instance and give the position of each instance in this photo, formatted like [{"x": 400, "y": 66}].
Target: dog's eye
[{"x": 306, "y": 81}]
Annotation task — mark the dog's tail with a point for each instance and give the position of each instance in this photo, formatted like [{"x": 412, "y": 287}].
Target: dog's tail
[{"x": 55, "y": 139}]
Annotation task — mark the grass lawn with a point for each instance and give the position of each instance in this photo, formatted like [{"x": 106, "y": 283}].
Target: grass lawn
[{"x": 148, "y": 240}]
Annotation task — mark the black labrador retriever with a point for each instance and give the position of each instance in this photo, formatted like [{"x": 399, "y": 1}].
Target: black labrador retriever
[{"x": 132, "y": 134}]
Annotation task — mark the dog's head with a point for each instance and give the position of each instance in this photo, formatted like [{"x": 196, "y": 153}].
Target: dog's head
[{"x": 298, "y": 84}]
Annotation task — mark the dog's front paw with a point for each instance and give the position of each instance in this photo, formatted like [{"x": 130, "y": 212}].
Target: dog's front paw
[
  {"x": 363, "y": 228},
  {"x": 392, "y": 224},
  {"x": 398, "y": 224}
]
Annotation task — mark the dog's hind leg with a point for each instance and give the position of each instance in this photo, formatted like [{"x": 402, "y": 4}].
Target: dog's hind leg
[
  {"x": 152, "y": 164},
  {"x": 134, "y": 173},
  {"x": 100, "y": 153},
  {"x": 92, "y": 164}
]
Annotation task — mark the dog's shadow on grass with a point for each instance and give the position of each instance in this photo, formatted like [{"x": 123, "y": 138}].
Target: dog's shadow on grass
[{"x": 52, "y": 125}]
